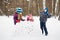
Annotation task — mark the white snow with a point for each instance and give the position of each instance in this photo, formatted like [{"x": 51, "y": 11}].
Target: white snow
[{"x": 28, "y": 30}]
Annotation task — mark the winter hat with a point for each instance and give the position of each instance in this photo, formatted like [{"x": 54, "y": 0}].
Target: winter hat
[
  {"x": 46, "y": 9},
  {"x": 19, "y": 10}
]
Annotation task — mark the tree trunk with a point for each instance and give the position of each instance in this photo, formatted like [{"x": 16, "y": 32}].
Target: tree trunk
[
  {"x": 54, "y": 1},
  {"x": 44, "y": 4},
  {"x": 59, "y": 10},
  {"x": 29, "y": 6},
  {"x": 56, "y": 7}
]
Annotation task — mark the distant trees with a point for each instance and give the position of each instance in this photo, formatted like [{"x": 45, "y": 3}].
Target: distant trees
[{"x": 7, "y": 7}]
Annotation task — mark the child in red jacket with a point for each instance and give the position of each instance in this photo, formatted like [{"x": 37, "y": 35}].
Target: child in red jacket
[{"x": 16, "y": 18}]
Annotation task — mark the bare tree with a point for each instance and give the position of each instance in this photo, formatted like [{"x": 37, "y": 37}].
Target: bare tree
[
  {"x": 56, "y": 7},
  {"x": 53, "y": 7},
  {"x": 29, "y": 6},
  {"x": 44, "y": 4},
  {"x": 59, "y": 10},
  {"x": 38, "y": 6}
]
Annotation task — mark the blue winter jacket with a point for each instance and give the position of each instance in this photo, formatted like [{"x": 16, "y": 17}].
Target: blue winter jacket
[{"x": 44, "y": 16}]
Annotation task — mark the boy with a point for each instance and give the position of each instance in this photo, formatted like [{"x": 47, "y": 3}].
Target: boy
[{"x": 43, "y": 18}]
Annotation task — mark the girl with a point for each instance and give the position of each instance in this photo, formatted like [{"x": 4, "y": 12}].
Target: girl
[{"x": 16, "y": 18}]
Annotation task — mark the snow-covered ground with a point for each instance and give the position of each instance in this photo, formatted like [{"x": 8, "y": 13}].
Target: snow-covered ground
[{"x": 28, "y": 30}]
